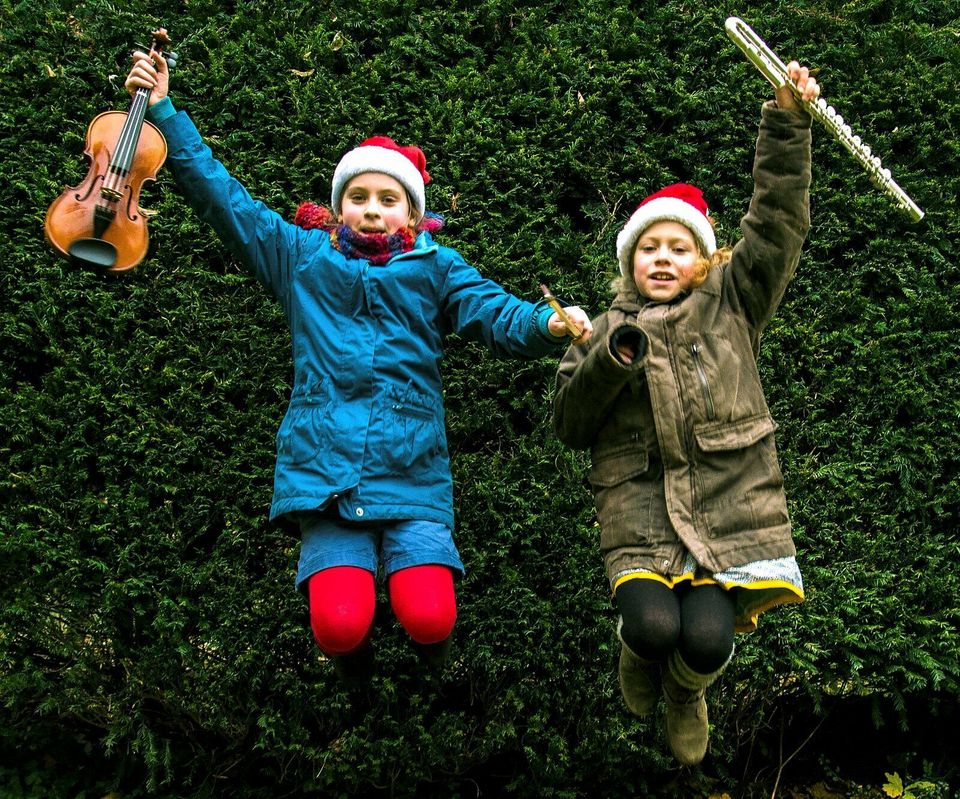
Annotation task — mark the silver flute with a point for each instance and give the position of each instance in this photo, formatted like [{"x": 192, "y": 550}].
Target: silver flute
[{"x": 775, "y": 71}]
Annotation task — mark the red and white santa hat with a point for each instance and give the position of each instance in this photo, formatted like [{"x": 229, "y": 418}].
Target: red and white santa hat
[
  {"x": 408, "y": 165},
  {"x": 679, "y": 202}
]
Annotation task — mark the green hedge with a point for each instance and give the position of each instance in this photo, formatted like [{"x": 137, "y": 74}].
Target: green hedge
[{"x": 151, "y": 642}]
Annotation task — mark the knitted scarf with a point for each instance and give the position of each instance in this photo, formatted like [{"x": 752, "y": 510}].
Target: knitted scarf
[{"x": 377, "y": 248}]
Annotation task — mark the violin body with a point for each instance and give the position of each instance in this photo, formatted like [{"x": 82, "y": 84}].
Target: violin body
[
  {"x": 71, "y": 217},
  {"x": 99, "y": 223}
]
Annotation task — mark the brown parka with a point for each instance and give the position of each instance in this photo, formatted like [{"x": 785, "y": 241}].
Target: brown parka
[{"x": 682, "y": 441}]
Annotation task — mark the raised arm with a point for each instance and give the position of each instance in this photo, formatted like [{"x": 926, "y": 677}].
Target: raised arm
[
  {"x": 261, "y": 239},
  {"x": 777, "y": 221}
]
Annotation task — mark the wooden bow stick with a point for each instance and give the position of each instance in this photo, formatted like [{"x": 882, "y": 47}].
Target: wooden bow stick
[{"x": 572, "y": 330}]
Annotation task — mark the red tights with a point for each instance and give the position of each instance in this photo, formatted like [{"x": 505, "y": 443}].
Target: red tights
[{"x": 343, "y": 600}]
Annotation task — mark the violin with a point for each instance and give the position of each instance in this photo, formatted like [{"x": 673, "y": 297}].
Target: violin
[{"x": 99, "y": 223}]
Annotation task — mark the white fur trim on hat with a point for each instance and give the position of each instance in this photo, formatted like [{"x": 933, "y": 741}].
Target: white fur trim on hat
[
  {"x": 663, "y": 209},
  {"x": 371, "y": 158}
]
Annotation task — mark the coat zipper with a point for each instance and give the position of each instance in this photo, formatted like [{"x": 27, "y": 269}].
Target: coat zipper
[{"x": 704, "y": 385}]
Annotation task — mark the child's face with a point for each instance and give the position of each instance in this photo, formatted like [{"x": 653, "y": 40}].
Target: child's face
[
  {"x": 664, "y": 261},
  {"x": 375, "y": 203}
]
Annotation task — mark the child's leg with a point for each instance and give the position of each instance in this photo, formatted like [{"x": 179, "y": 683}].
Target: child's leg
[
  {"x": 707, "y": 614},
  {"x": 649, "y": 629},
  {"x": 650, "y": 613},
  {"x": 342, "y": 603},
  {"x": 421, "y": 561},
  {"x": 338, "y": 563},
  {"x": 706, "y": 644},
  {"x": 425, "y": 603}
]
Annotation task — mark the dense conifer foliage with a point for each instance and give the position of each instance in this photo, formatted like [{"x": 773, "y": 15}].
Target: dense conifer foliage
[{"x": 151, "y": 642}]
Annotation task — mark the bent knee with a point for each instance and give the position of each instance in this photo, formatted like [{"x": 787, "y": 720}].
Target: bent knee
[
  {"x": 708, "y": 654},
  {"x": 342, "y": 605},
  {"x": 424, "y": 602},
  {"x": 428, "y": 625},
  {"x": 650, "y": 638},
  {"x": 339, "y": 631}
]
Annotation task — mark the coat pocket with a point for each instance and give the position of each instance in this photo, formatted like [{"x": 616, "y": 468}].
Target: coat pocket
[
  {"x": 412, "y": 433},
  {"x": 625, "y": 493},
  {"x": 301, "y": 433},
  {"x": 740, "y": 480},
  {"x": 616, "y": 467},
  {"x": 734, "y": 435}
]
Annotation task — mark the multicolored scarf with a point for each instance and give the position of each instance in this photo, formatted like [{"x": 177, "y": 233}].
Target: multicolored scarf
[{"x": 377, "y": 248}]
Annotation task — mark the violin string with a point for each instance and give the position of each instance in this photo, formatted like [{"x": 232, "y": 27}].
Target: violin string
[
  {"x": 128, "y": 137},
  {"x": 123, "y": 156},
  {"x": 122, "y": 160}
]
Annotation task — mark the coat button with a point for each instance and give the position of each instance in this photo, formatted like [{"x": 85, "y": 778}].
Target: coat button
[
  {"x": 359, "y": 511},
  {"x": 666, "y": 563}
]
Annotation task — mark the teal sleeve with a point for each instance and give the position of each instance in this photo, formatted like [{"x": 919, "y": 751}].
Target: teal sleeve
[
  {"x": 544, "y": 312},
  {"x": 161, "y": 111}
]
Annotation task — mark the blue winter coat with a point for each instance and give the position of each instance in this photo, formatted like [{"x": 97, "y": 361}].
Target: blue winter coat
[{"x": 365, "y": 423}]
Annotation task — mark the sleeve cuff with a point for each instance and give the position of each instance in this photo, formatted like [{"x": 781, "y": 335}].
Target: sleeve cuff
[
  {"x": 632, "y": 336},
  {"x": 543, "y": 314},
  {"x": 771, "y": 113},
  {"x": 161, "y": 111}
]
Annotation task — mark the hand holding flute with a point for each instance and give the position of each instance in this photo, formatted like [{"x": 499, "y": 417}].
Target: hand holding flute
[{"x": 805, "y": 83}]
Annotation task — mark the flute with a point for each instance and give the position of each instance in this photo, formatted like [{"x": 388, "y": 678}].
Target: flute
[{"x": 775, "y": 71}]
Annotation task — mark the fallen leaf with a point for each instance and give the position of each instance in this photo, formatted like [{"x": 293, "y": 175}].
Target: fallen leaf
[{"x": 894, "y": 786}]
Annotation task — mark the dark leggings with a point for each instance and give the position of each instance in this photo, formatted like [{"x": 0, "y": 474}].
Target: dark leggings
[{"x": 698, "y": 621}]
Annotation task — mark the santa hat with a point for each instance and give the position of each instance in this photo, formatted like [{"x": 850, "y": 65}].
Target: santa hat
[
  {"x": 679, "y": 202},
  {"x": 408, "y": 165}
]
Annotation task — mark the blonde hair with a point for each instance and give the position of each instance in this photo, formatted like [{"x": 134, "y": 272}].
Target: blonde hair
[{"x": 704, "y": 265}]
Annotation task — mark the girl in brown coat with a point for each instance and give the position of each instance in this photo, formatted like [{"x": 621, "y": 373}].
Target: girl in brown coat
[{"x": 694, "y": 527}]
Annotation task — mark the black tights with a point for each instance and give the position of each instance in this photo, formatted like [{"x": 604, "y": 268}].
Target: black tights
[{"x": 698, "y": 621}]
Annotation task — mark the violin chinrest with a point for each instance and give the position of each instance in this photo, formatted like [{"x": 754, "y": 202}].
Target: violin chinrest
[{"x": 93, "y": 253}]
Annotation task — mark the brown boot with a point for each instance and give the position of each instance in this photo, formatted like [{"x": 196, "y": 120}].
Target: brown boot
[
  {"x": 639, "y": 682},
  {"x": 688, "y": 729}
]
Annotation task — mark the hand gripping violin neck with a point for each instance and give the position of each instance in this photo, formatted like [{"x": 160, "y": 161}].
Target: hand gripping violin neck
[{"x": 99, "y": 223}]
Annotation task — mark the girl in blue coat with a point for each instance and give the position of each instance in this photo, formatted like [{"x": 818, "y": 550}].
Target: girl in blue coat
[{"x": 362, "y": 463}]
